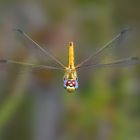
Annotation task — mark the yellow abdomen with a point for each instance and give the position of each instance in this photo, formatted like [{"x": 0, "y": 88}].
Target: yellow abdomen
[{"x": 71, "y": 56}]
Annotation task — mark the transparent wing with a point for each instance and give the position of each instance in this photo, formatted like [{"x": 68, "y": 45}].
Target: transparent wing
[
  {"x": 4, "y": 61},
  {"x": 40, "y": 48},
  {"x": 121, "y": 62},
  {"x": 108, "y": 44}
]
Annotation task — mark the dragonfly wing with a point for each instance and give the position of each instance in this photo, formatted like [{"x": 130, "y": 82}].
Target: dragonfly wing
[
  {"x": 108, "y": 44},
  {"x": 122, "y": 62},
  {"x": 40, "y": 48},
  {"x": 29, "y": 64}
]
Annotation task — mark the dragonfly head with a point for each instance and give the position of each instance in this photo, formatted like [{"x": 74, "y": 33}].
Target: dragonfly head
[{"x": 70, "y": 84}]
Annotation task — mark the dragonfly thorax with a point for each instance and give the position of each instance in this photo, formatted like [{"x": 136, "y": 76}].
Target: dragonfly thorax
[{"x": 70, "y": 80}]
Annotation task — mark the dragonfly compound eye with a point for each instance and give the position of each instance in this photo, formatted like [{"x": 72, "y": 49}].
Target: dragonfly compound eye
[
  {"x": 73, "y": 83},
  {"x": 68, "y": 83}
]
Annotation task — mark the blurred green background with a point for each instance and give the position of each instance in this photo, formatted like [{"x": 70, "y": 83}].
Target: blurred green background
[{"x": 34, "y": 105}]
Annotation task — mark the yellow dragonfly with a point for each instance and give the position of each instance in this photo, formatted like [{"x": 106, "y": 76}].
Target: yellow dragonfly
[{"x": 70, "y": 72}]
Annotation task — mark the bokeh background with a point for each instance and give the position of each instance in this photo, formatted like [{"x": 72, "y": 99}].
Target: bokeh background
[{"x": 33, "y": 103}]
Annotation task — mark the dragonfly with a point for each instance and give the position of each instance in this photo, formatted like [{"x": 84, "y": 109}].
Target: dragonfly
[{"x": 70, "y": 79}]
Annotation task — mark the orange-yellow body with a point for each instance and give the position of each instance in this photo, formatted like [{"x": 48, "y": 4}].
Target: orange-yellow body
[
  {"x": 70, "y": 77},
  {"x": 71, "y": 56}
]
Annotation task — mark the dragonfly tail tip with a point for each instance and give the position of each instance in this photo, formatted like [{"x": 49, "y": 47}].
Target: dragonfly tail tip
[{"x": 71, "y": 43}]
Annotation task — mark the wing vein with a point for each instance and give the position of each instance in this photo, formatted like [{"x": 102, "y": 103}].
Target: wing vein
[
  {"x": 102, "y": 48},
  {"x": 29, "y": 64},
  {"x": 40, "y": 48},
  {"x": 121, "y": 62}
]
